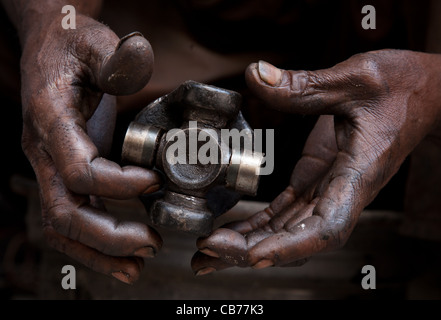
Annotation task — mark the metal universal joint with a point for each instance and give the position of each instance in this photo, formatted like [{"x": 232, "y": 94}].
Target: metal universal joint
[{"x": 184, "y": 135}]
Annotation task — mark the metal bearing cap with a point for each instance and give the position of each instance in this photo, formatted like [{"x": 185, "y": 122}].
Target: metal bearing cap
[
  {"x": 196, "y": 191},
  {"x": 140, "y": 144}
]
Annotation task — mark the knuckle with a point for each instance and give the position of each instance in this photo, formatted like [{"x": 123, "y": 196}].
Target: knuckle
[
  {"x": 370, "y": 73},
  {"x": 78, "y": 177},
  {"x": 59, "y": 217},
  {"x": 336, "y": 234}
]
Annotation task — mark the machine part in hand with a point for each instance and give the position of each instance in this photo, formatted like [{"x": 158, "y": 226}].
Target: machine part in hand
[{"x": 196, "y": 193}]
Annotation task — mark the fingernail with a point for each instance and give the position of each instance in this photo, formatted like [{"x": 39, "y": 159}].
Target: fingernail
[
  {"x": 145, "y": 252},
  {"x": 122, "y": 276},
  {"x": 152, "y": 189},
  {"x": 269, "y": 74},
  {"x": 264, "y": 263},
  {"x": 130, "y": 35},
  {"x": 209, "y": 252},
  {"x": 205, "y": 271}
]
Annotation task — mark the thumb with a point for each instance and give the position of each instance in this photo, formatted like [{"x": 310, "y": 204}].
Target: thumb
[
  {"x": 129, "y": 68},
  {"x": 328, "y": 91},
  {"x": 115, "y": 66}
]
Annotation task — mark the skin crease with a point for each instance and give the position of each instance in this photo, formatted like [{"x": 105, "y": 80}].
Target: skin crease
[{"x": 376, "y": 107}]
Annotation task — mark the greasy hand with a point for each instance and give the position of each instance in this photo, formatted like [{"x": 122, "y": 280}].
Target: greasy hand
[
  {"x": 376, "y": 107},
  {"x": 64, "y": 76}
]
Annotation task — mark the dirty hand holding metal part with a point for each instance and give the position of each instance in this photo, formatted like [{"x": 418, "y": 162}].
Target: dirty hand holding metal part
[
  {"x": 376, "y": 107},
  {"x": 65, "y": 76}
]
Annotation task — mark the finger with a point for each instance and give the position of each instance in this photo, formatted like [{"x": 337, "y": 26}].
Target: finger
[
  {"x": 317, "y": 158},
  {"x": 318, "y": 155},
  {"x": 116, "y": 66},
  {"x": 328, "y": 226},
  {"x": 226, "y": 244},
  {"x": 261, "y": 218},
  {"x": 300, "y": 242},
  {"x": 74, "y": 217},
  {"x": 85, "y": 172},
  {"x": 124, "y": 269},
  {"x": 322, "y": 225},
  {"x": 106, "y": 234},
  {"x": 288, "y": 208},
  {"x": 130, "y": 68},
  {"x": 329, "y": 91},
  {"x": 229, "y": 241},
  {"x": 202, "y": 264},
  {"x": 232, "y": 247}
]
